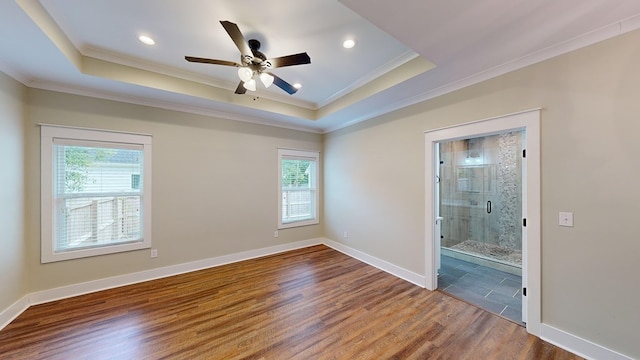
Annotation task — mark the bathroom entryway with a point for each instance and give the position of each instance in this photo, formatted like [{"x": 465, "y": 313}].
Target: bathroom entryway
[{"x": 480, "y": 209}]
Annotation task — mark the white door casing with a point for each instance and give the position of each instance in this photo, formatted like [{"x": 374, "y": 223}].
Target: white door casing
[{"x": 529, "y": 121}]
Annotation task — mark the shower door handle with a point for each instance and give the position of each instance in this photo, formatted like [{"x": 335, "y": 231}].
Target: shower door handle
[{"x": 489, "y": 207}]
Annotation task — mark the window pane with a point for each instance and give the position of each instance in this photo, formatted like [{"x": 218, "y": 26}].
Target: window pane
[
  {"x": 298, "y": 190},
  {"x": 97, "y": 221},
  {"x": 83, "y": 169},
  {"x": 97, "y": 196}
]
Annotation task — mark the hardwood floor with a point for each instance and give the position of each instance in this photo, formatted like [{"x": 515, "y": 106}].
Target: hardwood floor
[{"x": 312, "y": 303}]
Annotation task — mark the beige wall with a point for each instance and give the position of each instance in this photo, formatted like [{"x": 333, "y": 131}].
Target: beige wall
[
  {"x": 214, "y": 185},
  {"x": 374, "y": 182},
  {"x": 13, "y": 273}
]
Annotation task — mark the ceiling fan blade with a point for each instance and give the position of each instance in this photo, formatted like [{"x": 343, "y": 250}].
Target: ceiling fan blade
[
  {"x": 241, "y": 89},
  {"x": 211, "y": 61},
  {"x": 277, "y": 81},
  {"x": 237, "y": 37},
  {"x": 290, "y": 60}
]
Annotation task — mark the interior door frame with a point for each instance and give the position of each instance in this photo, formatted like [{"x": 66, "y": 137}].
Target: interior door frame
[{"x": 529, "y": 121}]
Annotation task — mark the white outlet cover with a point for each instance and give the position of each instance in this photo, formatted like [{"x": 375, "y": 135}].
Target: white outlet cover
[{"x": 565, "y": 219}]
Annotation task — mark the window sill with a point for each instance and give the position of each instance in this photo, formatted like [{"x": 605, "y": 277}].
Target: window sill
[{"x": 300, "y": 223}]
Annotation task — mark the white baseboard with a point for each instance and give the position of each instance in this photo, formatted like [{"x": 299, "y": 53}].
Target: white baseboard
[
  {"x": 392, "y": 269},
  {"x": 577, "y": 345},
  {"x": 63, "y": 292},
  {"x": 13, "y": 311}
]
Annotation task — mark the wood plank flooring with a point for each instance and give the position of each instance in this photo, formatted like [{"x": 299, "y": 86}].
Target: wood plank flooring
[{"x": 312, "y": 303}]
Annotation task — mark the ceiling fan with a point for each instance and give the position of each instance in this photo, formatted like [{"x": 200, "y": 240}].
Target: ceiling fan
[{"x": 255, "y": 63}]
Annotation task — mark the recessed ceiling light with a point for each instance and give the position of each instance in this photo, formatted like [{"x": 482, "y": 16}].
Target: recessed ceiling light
[
  {"x": 297, "y": 85},
  {"x": 146, "y": 40},
  {"x": 349, "y": 43}
]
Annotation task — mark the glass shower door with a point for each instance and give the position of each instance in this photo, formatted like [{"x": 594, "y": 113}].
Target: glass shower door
[{"x": 476, "y": 185}]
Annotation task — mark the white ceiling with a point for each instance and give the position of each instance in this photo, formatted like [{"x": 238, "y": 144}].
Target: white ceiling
[{"x": 90, "y": 47}]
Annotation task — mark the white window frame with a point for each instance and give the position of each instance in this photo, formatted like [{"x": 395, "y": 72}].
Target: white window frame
[
  {"x": 301, "y": 155},
  {"x": 47, "y": 135}
]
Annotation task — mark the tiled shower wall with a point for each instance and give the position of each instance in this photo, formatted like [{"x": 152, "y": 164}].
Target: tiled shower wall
[{"x": 510, "y": 190}]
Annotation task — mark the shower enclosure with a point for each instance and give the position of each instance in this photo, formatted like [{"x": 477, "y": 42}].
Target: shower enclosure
[{"x": 480, "y": 188}]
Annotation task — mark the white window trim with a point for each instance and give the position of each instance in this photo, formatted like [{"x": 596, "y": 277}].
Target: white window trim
[
  {"x": 50, "y": 132},
  {"x": 303, "y": 154}
]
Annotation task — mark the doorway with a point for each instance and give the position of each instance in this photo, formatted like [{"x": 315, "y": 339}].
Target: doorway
[
  {"x": 480, "y": 213},
  {"x": 527, "y": 122}
]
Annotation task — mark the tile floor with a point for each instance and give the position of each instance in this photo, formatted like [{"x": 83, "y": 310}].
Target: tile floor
[{"x": 493, "y": 290}]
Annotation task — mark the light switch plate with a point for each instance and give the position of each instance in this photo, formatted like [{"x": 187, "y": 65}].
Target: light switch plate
[{"x": 565, "y": 219}]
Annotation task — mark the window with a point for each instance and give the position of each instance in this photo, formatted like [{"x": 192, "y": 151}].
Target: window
[
  {"x": 96, "y": 192},
  {"x": 298, "y": 187}
]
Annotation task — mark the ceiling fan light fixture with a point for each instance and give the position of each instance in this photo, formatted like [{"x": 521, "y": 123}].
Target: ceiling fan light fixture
[
  {"x": 250, "y": 85},
  {"x": 297, "y": 85},
  {"x": 245, "y": 74},
  {"x": 267, "y": 79}
]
